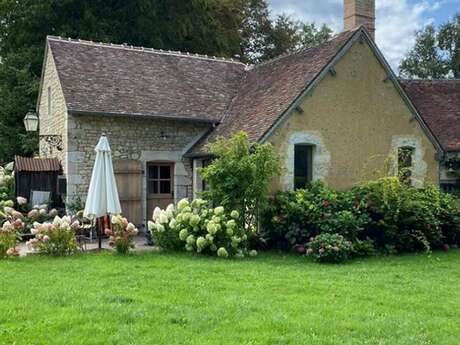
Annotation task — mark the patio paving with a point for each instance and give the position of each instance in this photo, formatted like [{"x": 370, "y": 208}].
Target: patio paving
[{"x": 141, "y": 245}]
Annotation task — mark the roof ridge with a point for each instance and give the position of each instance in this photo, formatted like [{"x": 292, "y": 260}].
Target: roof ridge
[{"x": 145, "y": 49}]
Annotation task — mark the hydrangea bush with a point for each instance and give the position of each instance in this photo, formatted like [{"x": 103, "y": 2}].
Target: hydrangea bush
[
  {"x": 56, "y": 238},
  {"x": 10, "y": 237},
  {"x": 121, "y": 234},
  {"x": 332, "y": 248},
  {"x": 6, "y": 182},
  {"x": 200, "y": 228}
]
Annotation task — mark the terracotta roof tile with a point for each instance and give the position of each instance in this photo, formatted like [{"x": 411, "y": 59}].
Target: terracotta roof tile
[
  {"x": 119, "y": 79},
  {"x": 269, "y": 89},
  {"x": 438, "y": 102}
]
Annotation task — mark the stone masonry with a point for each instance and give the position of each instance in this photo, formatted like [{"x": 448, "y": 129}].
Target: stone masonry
[{"x": 130, "y": 138}]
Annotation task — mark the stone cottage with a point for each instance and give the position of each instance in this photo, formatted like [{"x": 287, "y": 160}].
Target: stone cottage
[{"x": 334, "y": 112}]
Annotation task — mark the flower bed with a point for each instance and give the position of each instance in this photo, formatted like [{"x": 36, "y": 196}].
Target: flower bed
[
  {"x": 384, "y": 215},
  {"x": 197, "y": 227}
]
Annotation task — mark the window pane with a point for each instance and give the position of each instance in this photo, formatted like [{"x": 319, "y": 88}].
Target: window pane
[
  {"x": 165, "y": 172},
  {"x": 153, "y": 171},
  {"x": 153, "y": 187},
  {"x": 302, "y": 165},
  {"x": 165, "y": 187}
]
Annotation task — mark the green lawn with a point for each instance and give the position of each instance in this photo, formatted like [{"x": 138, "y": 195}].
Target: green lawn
[{"x": 151, "y": 298}]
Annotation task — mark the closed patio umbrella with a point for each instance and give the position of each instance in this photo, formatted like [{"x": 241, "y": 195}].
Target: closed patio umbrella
[{"x": 102, "y": 196}]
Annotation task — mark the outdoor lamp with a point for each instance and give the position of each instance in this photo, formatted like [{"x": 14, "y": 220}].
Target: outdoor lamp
[{"x": 31, "y": 122}]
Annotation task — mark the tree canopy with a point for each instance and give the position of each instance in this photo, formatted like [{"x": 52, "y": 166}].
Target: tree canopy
[
  {"x": 436, "y": 53},
  {"x": 227, "y": 28}
]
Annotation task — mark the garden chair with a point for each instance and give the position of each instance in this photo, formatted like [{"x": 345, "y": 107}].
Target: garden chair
[{"x": 40, "y": 198}]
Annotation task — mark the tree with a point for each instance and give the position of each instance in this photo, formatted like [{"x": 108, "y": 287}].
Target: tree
[
  {"x": 226, "y": 28},
  {"x": 436, "y": 54},
  {"x": 240, "y": 175},
  {"x": 200, "y": 26}
]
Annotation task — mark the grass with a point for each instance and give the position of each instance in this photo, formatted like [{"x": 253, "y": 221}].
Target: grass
[{"x": 151, "y": 298}]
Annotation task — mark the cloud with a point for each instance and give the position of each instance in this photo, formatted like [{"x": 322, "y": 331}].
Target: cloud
[{"x": 396, "y": 24}]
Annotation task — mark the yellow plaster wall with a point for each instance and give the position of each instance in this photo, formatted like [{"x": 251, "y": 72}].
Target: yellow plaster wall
[{"x": 358, "y": 117}]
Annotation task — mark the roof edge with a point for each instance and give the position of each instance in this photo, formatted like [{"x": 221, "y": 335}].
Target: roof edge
[
  {"x": 312, "y": 84},
  {"x": 359, "y": 33},
  {"x": 75, "y": 112},
  {"x": 130, "y": 47}
]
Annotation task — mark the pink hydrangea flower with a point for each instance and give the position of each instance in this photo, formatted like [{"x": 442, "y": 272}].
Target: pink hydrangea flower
[{"x": 21, "y": 200}]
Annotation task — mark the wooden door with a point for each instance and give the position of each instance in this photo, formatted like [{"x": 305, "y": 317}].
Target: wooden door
[
  {"x": 160, "y": 185},
  {"x": 128, "y": 174}
]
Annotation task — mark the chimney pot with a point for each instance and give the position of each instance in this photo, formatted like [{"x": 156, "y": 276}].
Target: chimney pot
[{"x": 360, "y": 12}]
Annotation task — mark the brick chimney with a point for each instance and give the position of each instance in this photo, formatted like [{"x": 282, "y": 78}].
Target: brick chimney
[{"x": 360, "y": 12}]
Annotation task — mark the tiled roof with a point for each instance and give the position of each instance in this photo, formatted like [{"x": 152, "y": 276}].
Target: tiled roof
[
  {"x": 269, "y": 89},
  {"x": 125, "y": 80},
  {"x": 36, "y": 164},
  {"x": 438, "y": 102}
]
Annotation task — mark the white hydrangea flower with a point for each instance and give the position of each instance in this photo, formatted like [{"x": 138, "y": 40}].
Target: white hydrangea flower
[
  {"x": 234, "y": 214},
  {"x": 182, "y": 204},
  {"x": 201, "y": 242},
  {"x": 211, "y": 228},
  {"x": 183, "y": 234},
  {"x": 231, "y": 224},
  {"x": 170, "y": 211},
  {"x": 160, "y": 227},
  {"x": 151, "y": 226},
  {"x": 229, "y": 231},
  {"x": 253, "y": 253},
  {"x": 163, "y": 218},
  {"x": 57, "y": 221},
  {"x": 191, "y": 240},
  {"x": 222, "y": 252},
  {"x": 195, "y": 220},
  {"x": 219, "y": 210},
  {"x": 209, "y": 238},
  {"x": 156, "y": 213},
  {"x": 172, "y": 224}
]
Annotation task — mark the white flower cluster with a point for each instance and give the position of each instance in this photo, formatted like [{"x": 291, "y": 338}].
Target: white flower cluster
[{"x": 201, "y": 228}]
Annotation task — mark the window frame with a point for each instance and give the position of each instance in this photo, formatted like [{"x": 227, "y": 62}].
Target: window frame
[{"x": 158, "y": 179}]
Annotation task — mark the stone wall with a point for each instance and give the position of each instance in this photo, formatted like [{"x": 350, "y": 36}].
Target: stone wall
[
  {"x": 54, "y": 122},
  {"x": 130, "y": 138}
]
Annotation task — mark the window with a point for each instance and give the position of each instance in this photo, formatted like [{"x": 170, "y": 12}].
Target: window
[
  {"x": 205, "y": 163},
  {"x": 303, "y": 164},
  {"x": 159, "y": 179},
  {"x": 405, "y": 157},
  {"x": 49, "y": 100}
]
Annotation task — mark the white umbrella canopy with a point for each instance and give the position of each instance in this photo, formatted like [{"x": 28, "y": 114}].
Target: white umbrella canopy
[{"x": 102, "y": 194}]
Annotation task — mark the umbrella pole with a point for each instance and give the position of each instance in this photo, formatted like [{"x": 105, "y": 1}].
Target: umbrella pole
[{"x": 99, "y": 228}]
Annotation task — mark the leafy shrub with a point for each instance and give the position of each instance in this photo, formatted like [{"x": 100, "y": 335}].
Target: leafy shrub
[
  {"x": 402, "y": 216},
  {"x": 56, "y": 238},
  {"x": 200, "y": 228},
  {"x": 364, "y": 248},
  {"x": 240, "y": 175},
  {"x": 121, "y": 234},
  {"x": 332, "y": 248},
  {"x": 293, "y": 217}
]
